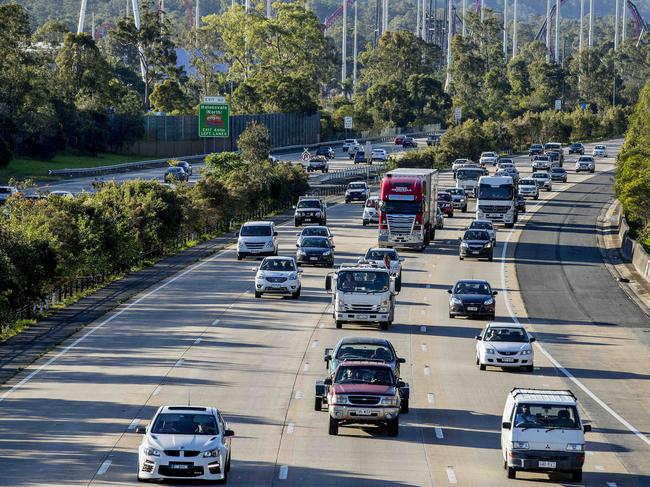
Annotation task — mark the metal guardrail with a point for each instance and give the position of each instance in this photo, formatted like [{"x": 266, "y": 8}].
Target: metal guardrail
[
  {"x": 153, "y": 163},
  {"x": 363, "y": 171}
]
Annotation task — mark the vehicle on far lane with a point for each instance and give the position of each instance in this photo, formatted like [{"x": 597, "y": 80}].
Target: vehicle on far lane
[
  {"x": 379, "y": 155},
  {"x": 472, "y": 298},
  {"x": 318, "y": 163},
  {"x": 7, "y": 192},
  {"x": 257, "y": 239},
  {"x": 315, "y": 231},
  {"x": 505, "y": 345},
  {"x": 477, "y": 244},
  {"x": 360, "y": 157},
  {"x": 486, "y": 225},
  {"x": 535, "y": 150},
  {"x": 446, "y": 204},
  {"x": 521, "y": 203},
  {"x": 174, "y": 174},
  {"x": 600, "y": 150},
  {"x": 379, "y": 255},
  {"x": 326, "y": 152},
  {"x": 543, "y": 180},
  {"x": 409, "y": 142},
  {"x": 440, "y": 218},
  {"x": 488, "y": 158},
  {"x": 198, "y": 433},
  {"x": 541, "y": 163},
  {"x": 586, "y": 163},
  {"x": 187, "y": 167},
  {"x": 350, "y": 143},
  {"x": 458, "y": 197},
  {"x": 398, "y": 139},
  {"x": 310, "y": 209},
  {"x": 357, "y": 191}
]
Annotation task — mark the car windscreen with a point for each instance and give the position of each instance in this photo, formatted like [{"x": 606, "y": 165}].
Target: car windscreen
[
  {"x": 456, "y": 191},
  {"x": 527, "y": 182},
  {"x": 255, "y": 231},
  {"x": 600, "y": 147},
  {"x": 548, "y": 416},
  {"x": 476, "y": 235},
  {"x": 363, "y": 281},
  {"x": 317, "y": 242},
  {"x": 364, "y": 351},
  {"x": 315, "y": 232},
  {"x": 401, "y": 207},
  {"x": 379, "y": 254},
  {"x": 357, "y": 186},
  {"x": 500, "y": 192},
  {"x": 469, "y": 174},
  {"x": 552, "y": 146},
  {"x": 558, "y": 170},
  {"x": 309, "y": 204},
  {"x": 444, "y": 197},
  {"x": 481, "y": 225},
  {"x": 506, "y": 161},
  {"x": 586, "y": 159},
  {"x": 505, "y": 334},
  {"x": 278, "y": 265},
  {"x": 371, "y": 203},
  {"x": 540, "y": 175},
  {"x": 364, "y": 375},
  {"x": 464, "y": 287},
  {"x": 5, "y": 190},
  {"x": 185, "y": 424}
]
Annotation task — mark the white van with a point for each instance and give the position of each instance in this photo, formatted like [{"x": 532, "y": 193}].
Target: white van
[
  {"x": 541, "y": 430},
  {"x": 257, "y": 239}
]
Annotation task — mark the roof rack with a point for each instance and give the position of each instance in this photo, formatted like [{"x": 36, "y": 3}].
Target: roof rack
[
  {"x": 557, "y": 392},
  {"x": 379, "y": 361}
]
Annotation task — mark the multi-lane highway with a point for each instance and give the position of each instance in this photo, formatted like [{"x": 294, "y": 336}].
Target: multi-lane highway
[{"x": 202, "y": 337}]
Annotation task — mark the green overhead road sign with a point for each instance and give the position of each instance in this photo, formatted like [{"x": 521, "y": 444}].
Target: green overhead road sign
[{"x": 214, "y": 120}]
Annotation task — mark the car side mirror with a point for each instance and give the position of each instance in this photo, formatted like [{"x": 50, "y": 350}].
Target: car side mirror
[
  {"x": 328, "y": 283},
  {"x": 327, "y": 358},
  {"x": 401, "y": 383},
  {"x": 298, "y": 246},
  {"x": 478, "y": 337},
  {"x": 141, "y": 430},
  {"x": 275, "y": 234},
  {"x": 398, "y": 286},
  {"x": 494, "y": 293},
  {"x": 506, "y": 425},
  {"x": 236, "y": 234},
  {"x": 300, "y": 271},
  {"x": 254, "y": 269},
  {"x": 228, "y": 433},
  {"x": 328, "y": 381},
  {"x": 586, "y": 428},
  {"x": 449, "y": 291},
  {"x": 333, "y": 246},
  {"x": 298, "y": 234},
  {"x": 401, "y": 360},
  {"x": 533, "y": 339},
  {"x": 401, "y": 259},
  {"x": 293, "y": 207}
]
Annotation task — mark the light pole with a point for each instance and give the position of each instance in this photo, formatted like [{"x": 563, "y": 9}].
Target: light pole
[
  {"x": 344, "y": 51},
  {"x": 582, "y": 15},
  {"x": 514, "y": 30},
  {"x": 557, "y": 31},
  {"x": 505, "y": 30},
  {"x": 450, "y": 9},
  {"x": 354, "y": 49},
  {"x": 548, "y": 31},
  {"x": 464, "y": 16},
  {"x": 616, "y": 19},
  {"x": 623, "y": 26},
  {"x": 591, "y": 24}
]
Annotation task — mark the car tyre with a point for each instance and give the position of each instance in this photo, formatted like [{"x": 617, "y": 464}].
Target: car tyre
[
  {"x": 296, "y": 295},
  {"x": 296, "y": 223},
  {"x": 452, "y": 316},
  {"x": 318, "y": 403},
  {"x": 334, "y": 426},
  {"x": 258, "y": 294},
  {"x": 530, "y": 368},
  {"x": 512, "y": 473},
  {"x": 536, "y": 197},
  {"x": 404, "y": 409},
  {"x": 239, "y": 257},
  {"x": 482, "y": 366},
  {"x": 383, "y": 325},
  {"x": 576, "y": 475},
  {"x": 491, "y": 257},
  {"x": 339, "y": 323},
  {"x": 461, "y": 258},
  {"x": 465, "y": 209},
  {"x": 224, "y": 480},
  {"x": 492, "y": 316},
  {"x": 364, "y": 224},
  {"x": 393, "y": 427}
]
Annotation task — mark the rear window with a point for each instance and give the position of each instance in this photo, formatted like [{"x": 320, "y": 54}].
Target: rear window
[
  {"x": 357, "y": 186},
  {"x": 5, "y": 190}
]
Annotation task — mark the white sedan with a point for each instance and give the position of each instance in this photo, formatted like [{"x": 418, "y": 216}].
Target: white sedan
[
  {"x": 600, "y": 151},
  {"x": 185, "y": 441},
  {"x": 505, "y": 345},
  {"x": 379, "y": 155},
  {"x": 377, "y": 255},
  {"x": 278, "y": 275}
]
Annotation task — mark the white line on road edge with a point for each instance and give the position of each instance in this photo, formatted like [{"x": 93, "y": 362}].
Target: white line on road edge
[
  {"x": 104, "y": 467},
  {"x": 430, "y": 397},
  {"x": 284, "y": 470},
  {"x": 314, "y": 344},
  {"x": 290, "y": 428},
  {"x": 439, "y": 434},
  {"x": 423, "y": 347},
  {"x": 134, "y": 424},
  {"x": 157, "y": 390},
  {"x": 75, "y": 343},
  {"x": 427, "y": 370},
  {"x": 557, "y": 364},
  {"x": 306, "y": 367},
  {"x": 611, "y": 484},
  {"x": 451, "y": 475}
]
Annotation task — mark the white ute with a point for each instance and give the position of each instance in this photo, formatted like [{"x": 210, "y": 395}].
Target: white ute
[
  {"x": 185, "y": 442},
  {"x": 541, "y": 430}
]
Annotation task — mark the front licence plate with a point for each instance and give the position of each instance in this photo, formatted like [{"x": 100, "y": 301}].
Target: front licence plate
[
  {"x": 362, "y": 317},
  {"x": 254, "y": 251},
  {"x": 507, "y": 360},
  {"x": 179, "y": 466},
  {"x": 313, "y": 258},
  {"x": 308, "y": 219},
  {"x": 475, "y": 252},
  {"x": 547, "y": 464},
  {"x": 363, "y": 412},
  {"x": 472, "y": 308}
]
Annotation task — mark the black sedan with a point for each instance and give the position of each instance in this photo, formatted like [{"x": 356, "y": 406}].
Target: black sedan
[
  {"x": 577, "y": 149},
  {"x": 476, "y": 243},
  {"x": 558, "y": 174},
  {"x": 315, "y": 251},
  {"x": 325, "y": 151},
  {"x": 409, "y": 142},
  {"x": 471, "y": 297},
  {"x": 187, "y": 167},
  {"x": 176, "y": 173}
]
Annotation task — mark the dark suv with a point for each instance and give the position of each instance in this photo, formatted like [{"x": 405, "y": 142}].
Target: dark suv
[
  {"x": 476, "y": 243},
  {"x": 577, "y": 148},
  {"x": 310, "y": 210}
]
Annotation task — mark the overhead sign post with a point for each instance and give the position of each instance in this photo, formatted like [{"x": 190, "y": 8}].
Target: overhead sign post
[
  {"x": 214, "y": 117},
  {"x": 347, "y": 122}
]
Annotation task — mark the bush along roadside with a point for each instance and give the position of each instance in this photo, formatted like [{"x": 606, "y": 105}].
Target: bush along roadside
[{"x": 62, "y": 245}]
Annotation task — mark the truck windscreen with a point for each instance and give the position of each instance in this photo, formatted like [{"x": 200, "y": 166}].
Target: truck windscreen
[
  {"x": 501, "y": 192},
  {"x": 363, "y": 281},
  {"x": 466, "y": 174},
  {"x": 401, "y": 207}
]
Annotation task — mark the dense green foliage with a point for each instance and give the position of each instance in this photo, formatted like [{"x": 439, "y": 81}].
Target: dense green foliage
[{"x": 633, "y": 177}]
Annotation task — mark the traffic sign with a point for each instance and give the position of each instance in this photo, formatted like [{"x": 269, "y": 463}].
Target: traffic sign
[
  {"x": 347, "y": 122},
  {"x": 558, "y": 104},
  {"x": 214, "y": 119},
  {"x": 214, "y": 99},
  {"x": 458, "y": 114}
]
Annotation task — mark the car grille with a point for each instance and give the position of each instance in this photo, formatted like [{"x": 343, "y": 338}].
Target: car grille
[
  {"x": 507, "y": 353},
  {"x": 191, "y": 471},
  {"x": 364, "y": 400},
  {"x": 177, "y": 453},
  {"x": 475, "y": 248},
  {"x": 306, "y": 213},
  {"x": 360, "y": 308},
  {"x": 494, "y": 208},
  {"x": 255, "y": 245},
  {"x": 276, "y": 279},
  {"x": 401, "y": 224}
]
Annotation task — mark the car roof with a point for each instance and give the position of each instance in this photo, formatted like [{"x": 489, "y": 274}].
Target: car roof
[
  {"x": 504, "y": 324},
  {"x": 477, "y": 281},
  {"x": 279, "y": 257},
  {"x": 314, "y": 226},
  {"x": 373, "y": 340},
  {"x": 482, "y": 220},
  {"x": 180, "y": 409},
  {"x": 543, "y": 396},
  {"x": 258, "y": 223}
]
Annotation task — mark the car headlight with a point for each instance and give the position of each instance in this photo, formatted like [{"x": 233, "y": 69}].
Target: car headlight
[
  {"x": 456, "y": 301},
  {"x": 241, "y": 244},
  {"x": 293, "y": 276},
  {"x": 462, "y": 200},
  {"x": 488, "y": 245},
  {"x": 327, "y": 253},
  {"x": 489, "y": 301},
  {"x": 526, "y": 352},
  {"x": 301, "y": 252},
  {"x": 519, "y": 445},
  {"x": 463, "y": 244},
  {"x": 211, "y": 453},
  {"x": 151, "y": 452},
  {"x": 339, "y": 304},
  {"x": 388, "y": 401},
  {"x": 337, "y": 399},
  {"x": 575, "y": 447},
  {"x": 269, "y": 243}
]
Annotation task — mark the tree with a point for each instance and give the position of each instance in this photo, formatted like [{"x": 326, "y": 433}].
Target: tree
[
  {"x": 169, "y": 97},
  {"x": 255, "y": 143}
]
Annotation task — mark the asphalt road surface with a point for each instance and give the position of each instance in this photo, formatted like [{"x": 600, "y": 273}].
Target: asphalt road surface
[{"x": 202, "y": 336}]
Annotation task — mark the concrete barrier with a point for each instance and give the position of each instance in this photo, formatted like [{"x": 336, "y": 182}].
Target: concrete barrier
[{"x": 631, "y": 250}]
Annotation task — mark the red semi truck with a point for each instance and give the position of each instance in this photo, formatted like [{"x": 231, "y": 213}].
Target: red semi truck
[{"x": 407, "y": 210}]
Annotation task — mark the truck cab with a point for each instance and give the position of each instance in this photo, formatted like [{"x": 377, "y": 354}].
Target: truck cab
[
  {"x": 364, "y": 293},
  {"x": 497, "y": 200},
  {"x": 467, "y": 178}
]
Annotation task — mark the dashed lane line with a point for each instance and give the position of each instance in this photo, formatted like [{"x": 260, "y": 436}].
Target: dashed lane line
[{"x": 103, "y": 468}]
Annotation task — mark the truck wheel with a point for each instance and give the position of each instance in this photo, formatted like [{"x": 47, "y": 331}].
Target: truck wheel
[
  {"x": 405, "y": 406},
  {"x": 509, "y": 225},
  {"x": 364, "y": 224},
  {"x": 490, "y": 258},
  {"x": 296, "y": 223},
  {"x": 465, "y": 209},
  {"x": 393, "y": 427},
  {"x": 576, "y": 475},
  {"x": 339, "y": 323},
  {"x": 318, "y": 403},
  {"x": 460, "y": 258},
  {"x": 334, "y": 426},
  {"x": 239, "y": 257},
  {"x": 536, "y": 197}
]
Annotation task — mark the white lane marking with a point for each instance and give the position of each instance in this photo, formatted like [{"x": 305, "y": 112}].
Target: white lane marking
[
  {"x": 439, "y": 434},
  {"x": 589, "y": 453},
  {"x": 314, "y": 344},
  {"x": 557, "y": 364},
  {"x": 423, "y": 347},
  {"x": 426, "y": 298},
  {"x": 179, "y": 362},
  {"x": 90, "y": 332},
  {"x": 284, "y": 471},
  {"x": 428, "y": 286},
  {"x": 600, "y": 467},
  {"x": 104, "y": 467},
  {"x": 198, "y": 340},
  {"x": 290, "y": 428},
  {"x": 215, "y": 322},
  {"x": 306, "y": 367},
  {"x": 427, "y": 370},
  {"x": 134, "y": 424},
  {"x": 157, "y": 390},
  {"x": 451, "y": 475},
  {"x": 423, "y": 329},
  {"x": 298, "y": 395},
  {"x": 430, "y": 397},
  {"x": 611, "y": 484}
]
